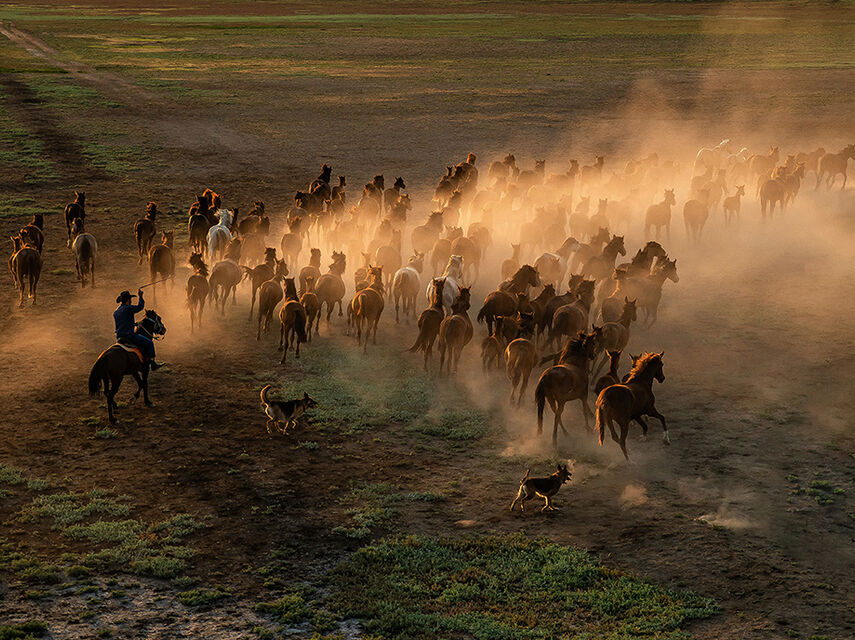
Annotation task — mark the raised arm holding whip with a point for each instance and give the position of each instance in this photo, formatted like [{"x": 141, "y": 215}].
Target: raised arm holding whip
[{"x": 125, "y": 325}]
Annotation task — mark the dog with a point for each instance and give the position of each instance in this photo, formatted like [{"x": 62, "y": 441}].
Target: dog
[
  {"x": 543, "y": 487},
  {"x": 288, "y": 412}
]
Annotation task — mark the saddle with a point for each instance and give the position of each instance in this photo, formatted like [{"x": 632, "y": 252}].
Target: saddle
[{"x": 130, "y": 348}]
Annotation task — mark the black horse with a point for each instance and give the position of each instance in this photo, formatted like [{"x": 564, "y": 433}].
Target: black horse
[{"x": 117, "y": 362}]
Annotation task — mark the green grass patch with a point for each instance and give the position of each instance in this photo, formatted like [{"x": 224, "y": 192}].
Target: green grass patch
[
  {"x": 291, "y": 608},
  {"x": 106, "y": 433},
  {"x": 23, "y": 631},
  {"x": 372, "y": 505},
  {"x": 203, "y": 597},
  {"x": 507, "y": 587}
]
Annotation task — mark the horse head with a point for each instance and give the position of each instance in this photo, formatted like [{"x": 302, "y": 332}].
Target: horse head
[{"x": 153, "y": 323}]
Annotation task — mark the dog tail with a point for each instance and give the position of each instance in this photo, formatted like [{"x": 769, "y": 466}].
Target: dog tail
[
  {"x": 265, "y": 391},
  {"x": 525, "y": 475},
  {"x": 601, "y": 418},
  {"x": 540, "y": 400},
  {"x": 95, "y": 377}
]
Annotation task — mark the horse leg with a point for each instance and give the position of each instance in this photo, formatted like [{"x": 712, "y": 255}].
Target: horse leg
[
  {"x": 523, "y": 387},
  {"x": 339, "y": 310},
  {"x": 640, "y": 420},
  {"x": 624, "y": 429},
  {"x": 252, "y": 302},
  {"x": 397, "y": 299},
  {"x": 441, "y": 357},
  {"x": 139, "y": 381},
  {"x": 666, "y": 439},
  {"x": 376, "y": 322},
  {"x": 281, "y": 337},
  {"x": 586, "y": 410}
]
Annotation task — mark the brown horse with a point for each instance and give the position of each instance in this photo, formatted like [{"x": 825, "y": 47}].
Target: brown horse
[
  {"x": 520, "y": 358},
  {"x": 197, "y": 290},
  {"x": 261, "y": 273},
  {"x": 161, "y": 260},
  {"x": 292, "y": 242},
  {"x": 566, "y": 381},
  {"x": 772, "y": 191},
  {"x": 34, "y": 233},
  {"x": 659, "y": 215},
  {"x": 695, "y": 215},
  {"x": 429, "y": 321},
  {"x": 616, "y": 334},
  {"x": 269, "y": 295},
  {"x": 732, "y": 204},
  {"x": 144, "y": 230},
  {"x": 455, "y": 331},
  {"x": 199, "y": 222},
  {"x": 117, "y": 362},
  {"x": 226, "y": 276},
  {"x": 85, "y": 250},
  {"x": 367, "y": 306},
  {"x": 504, "y": 301},
  {"x": 26, "y": 267},
  {"x": 574, "y": 317},
  {"x": 292, "y": 321},
  {"x": 612, "y": 377},
  {"x": 471, "y": 254},
  {"x": 493, "y": 346},
  {"x": 510, "y": 266},
  {"x": 330, "y": 287},
  {"x": 388, "y": 258},
  {"x": 76, "y": 209},
  {"x": 600, "y": 267},
  {"x": 311, "y": 270},
  {"x": 406, "y": 285},
  {"x": 834, "y": 164},
  {"x": 632, "y": 400},
  {"x": 310, "y": 302}
]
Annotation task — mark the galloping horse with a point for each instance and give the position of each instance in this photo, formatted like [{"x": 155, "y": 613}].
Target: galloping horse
[
  {"x": 118, "y": 361},
  {"x": 452, "y": 275}
]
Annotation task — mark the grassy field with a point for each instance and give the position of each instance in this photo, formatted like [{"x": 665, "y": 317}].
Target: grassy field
[{"x": 387, "y": 516}]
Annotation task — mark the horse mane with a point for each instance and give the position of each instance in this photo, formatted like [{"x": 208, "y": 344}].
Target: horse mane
[
  {"x": 640, "y": 365},
  {"x": 574, "y": 346}
]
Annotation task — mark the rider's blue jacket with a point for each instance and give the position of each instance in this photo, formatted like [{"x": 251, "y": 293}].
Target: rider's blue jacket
[{"x": 124, "y": 317}]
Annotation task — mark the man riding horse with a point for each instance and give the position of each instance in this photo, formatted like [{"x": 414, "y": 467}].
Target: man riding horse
[{"x": 125, "y": 325}]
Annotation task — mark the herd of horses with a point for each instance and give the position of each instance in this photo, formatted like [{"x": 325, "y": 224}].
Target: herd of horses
[{"x": 566, "y": 297}]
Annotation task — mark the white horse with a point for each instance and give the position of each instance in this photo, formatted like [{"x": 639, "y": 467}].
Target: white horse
[
  {"x": 453, "y": 275},
  {"x": 711, "y": 157},
  {"x": 219, "y": 235},
  {"x": 406, "y": 284}
]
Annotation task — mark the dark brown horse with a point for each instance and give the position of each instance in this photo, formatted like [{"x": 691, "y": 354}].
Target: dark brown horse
[
  {"x": 144, "y": 230},
  {"x": 429, "y": 321},
  {"x": 367, "y": 306},
  {"x": 26, "y": 267},
  {"x": 117, "y": 362},
  {"x": 566, "y": 381},
  {"x": 310, "y": 302},
  {"x": 197, "y": 290},
  {"x": 161, "y": 260},
  {"x": 632, "y": 400},
  {"x": 503, "y": 301},
  {"x": 574, "y": 317},
  {"x": 612, "y": 376},
  {"x": 292, "y": 321},
  {"x": 262, "y": 273},
  {"x": 493, "y": 346},
  {"x": 76, "y": 209},
  {"x": 269, "y": 295},
  {"x": 85, "y": 250},
  {"x": 330, "y": 287},
  {"x": 199, "y": 222},
  {"x": 312, "y": 270},
  {"x": 226, "y": 275},
  {"x": 455, "y": 331},
  {"x": 521, "y": 357},
  {"x": 34, "y": 233}
]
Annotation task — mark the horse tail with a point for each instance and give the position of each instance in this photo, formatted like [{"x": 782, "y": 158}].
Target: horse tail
[
  {"x": 482, "y": 314},
  {"x": 540, "y": 400},
  {"x": 421, "y": 340},
  {"x": 95, "y": 377},
  {"x": 300, "y": 326},
  {"x": 601, "y": 419}
]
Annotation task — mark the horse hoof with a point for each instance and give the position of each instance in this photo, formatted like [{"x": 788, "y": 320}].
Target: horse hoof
[
  {"x": 643, "y": 437},
  {"x": 150, "y": 404},
  {"x": 666, "y": 439}
]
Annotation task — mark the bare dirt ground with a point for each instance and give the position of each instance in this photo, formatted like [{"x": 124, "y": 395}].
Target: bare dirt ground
[{"x": 757, "y": 338}]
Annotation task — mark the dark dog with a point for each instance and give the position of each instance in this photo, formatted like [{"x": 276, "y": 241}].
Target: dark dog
[
  {"x": 288, "y": 412},
  {"x": 543, "y": 487}
]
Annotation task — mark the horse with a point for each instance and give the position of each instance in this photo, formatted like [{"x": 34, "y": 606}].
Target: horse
[
  {"x": 76, "y": 209},
  {"x": 493, "y": 346},
  {"x": 330, "y": 288},
  {"x": 648, "y": 291},
  {"x": 117, "y": 362},
  {"x": 510, "y": 265},
  {"x": 452, "y": 275},
  {"x": 85, "y": 250},
  {"x": 731, "y": 204},
  {"x": 520, "y": 358},
  {"x": 711, "y": 158},
  {"x": 566, "y": 381},
  {"x": 26, "y": 267},
  {"x": 226, "y": 276},
  {"x": 292, "y": 242},
  {"x": 199, "y": 223},
  {"x": 615, "y": 335},
  {"x": 590, "y": 249},
  {"x": 424, "y": 236},
  {"x": 659, "y": 215},
  {"x": 220, "y": 235},
  {"x": 367, "y": 306},
  {"x": 834, "y": 164},
  {"x": 429, "y": 321},
  {"x": 311, "y": 270},
  {"x": 310, "y": 302},
  {"x": 601, "y": 266},
  {"x": 292, "y": 321},
  {"x": 406, "y": 284},
  {"x": 469, "y": 250},
  {"x": 161, "y": 261},
  {"x": 269, "y": 295},
  {"x": 441, "y": 251},
  {"x": 772, "y": 191},
  {"x": 695, "y": 214},
  {"x": 455, "y": 332},
  {"x": 197, "y": 290},
  {"x": 261, "y": 273},
  {"x": 573, "y": 318},
  {"x": 762, "y": 166},
  {"x": 388, "y": 257},
  {"x": 612, "y": 377},
  {"x": 144, "y": 230},
  {"x": 503, "y": 301},
  {"x": 632, "y": 400},
  {"x": 33, "y": 233}
]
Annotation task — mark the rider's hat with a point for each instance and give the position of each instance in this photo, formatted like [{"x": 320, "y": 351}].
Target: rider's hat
[{"x": 124, "y": 296}]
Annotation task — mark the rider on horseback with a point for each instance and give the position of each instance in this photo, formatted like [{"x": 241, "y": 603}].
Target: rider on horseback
[{"x": 124, "y": 317}]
